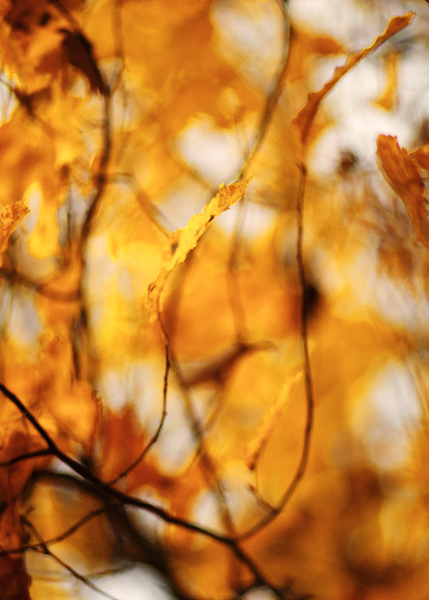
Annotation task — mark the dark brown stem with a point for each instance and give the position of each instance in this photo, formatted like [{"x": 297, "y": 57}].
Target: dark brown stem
[
  {"x": 106, "y": 491},
  {"x": 43, "y": 548}
]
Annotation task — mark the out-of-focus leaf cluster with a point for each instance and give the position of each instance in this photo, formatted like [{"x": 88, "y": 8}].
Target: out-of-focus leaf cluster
[{"x": 120, "y": 120}]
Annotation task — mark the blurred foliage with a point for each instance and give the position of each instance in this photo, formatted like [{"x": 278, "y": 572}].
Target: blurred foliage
[{"x": 213, "y": 352}]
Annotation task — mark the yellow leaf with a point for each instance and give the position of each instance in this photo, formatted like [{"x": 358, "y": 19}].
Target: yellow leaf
[
  {"x": 10, "y": 217},
  {"x": 387, "y": 98},
  {"x": 182, "y": 241},
  {"x": 404, "y": 178},
  {"x": 305, "y": 117}
]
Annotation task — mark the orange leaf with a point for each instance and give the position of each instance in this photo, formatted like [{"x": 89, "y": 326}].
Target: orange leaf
[
  {"x": 404, "y": 178},
  {"x": 305, "y": 117},
  {"x": 421, "y": 155}
]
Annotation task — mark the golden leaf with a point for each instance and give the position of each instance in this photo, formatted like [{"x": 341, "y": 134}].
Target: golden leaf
[
  {"x": 387, "y": 98},
  {"x": 404, "y": 178},
  {"x": 182, "y": 241},
  {"x": 305, "y": 117}
]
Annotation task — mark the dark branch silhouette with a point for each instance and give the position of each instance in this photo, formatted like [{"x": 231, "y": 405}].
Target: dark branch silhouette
[{"x": 105, "y": 490}]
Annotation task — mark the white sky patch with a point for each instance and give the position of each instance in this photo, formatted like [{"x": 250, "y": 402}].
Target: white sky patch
[
  {"x": 257, "y": 219},
  {"x": 175, "y": 446},
  {"x": 215, "y": 154},
  {"x": 8, "y": 100},
  {"x": 373, "y": 289},
  {"x": 138, "y": 384},
  {"x": 260, "y": 593},
  {"x": 349, "y": 21},
  {"x": 251, "y": 35},
  {"x": 239, "y": 499},
  {"x": 331, "y": 18},
  {"x": 413, "y": 84},
  {"x": 358, "y": 120},
  {"x": 183, "y": 201},
  {"x": 20, "y": 317},
  {"x": 140, "y": 583},
  {"x": 206, "y": 513},
  {"x": 389, "y": 418},
  {"x": 112, "y": 387}
]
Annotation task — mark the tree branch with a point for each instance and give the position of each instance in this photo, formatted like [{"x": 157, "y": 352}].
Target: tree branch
[{"x": 105, "y": 490}]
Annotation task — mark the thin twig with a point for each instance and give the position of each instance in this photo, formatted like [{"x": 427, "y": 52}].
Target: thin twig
[
  {"x": 101, "y": 179},
  {"x": 150, "y": 209},
  {"x": 272, "y": 99},
  {"x": 13, "y": 277},
  {"x": 101, "y": 485},
  {"x": 303, "y": 461},
  {"x": 105, "y": 91},
  {"x": 45, "y": 550},
  {"x": 207, "y": 462},
  {"x": 26, "y": 456},
  {"x": 157, "y": 433},
  {"x": 107, "y": 491},
  {"x": 66, "y": 533}
]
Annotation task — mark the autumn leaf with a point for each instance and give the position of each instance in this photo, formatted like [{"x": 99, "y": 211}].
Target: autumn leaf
[
  {"x": 215, "y": 431},
  {"x": 421, "y": 155},
  {"x": 182, "y": 241},
  {"x": 403, "y": 176},
  {"x": 305, "y": 117},
  {"x": 387, "y": 98}
]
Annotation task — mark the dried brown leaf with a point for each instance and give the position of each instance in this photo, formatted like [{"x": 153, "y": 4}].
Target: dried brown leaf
[
  {"x": 305, "y": 117},
  {"x": 403, "y": 176},
  {"x": 182, "y": 241},
  {"x": 421, "y": 155}
]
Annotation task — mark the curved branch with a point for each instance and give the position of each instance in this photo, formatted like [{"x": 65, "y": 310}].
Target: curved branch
[
  {"x": 45, "y": 550},
  {"x": 106, "y": 491},
  {"x": 157, "y": 433},
  {"x": 303, "y": 461}
]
